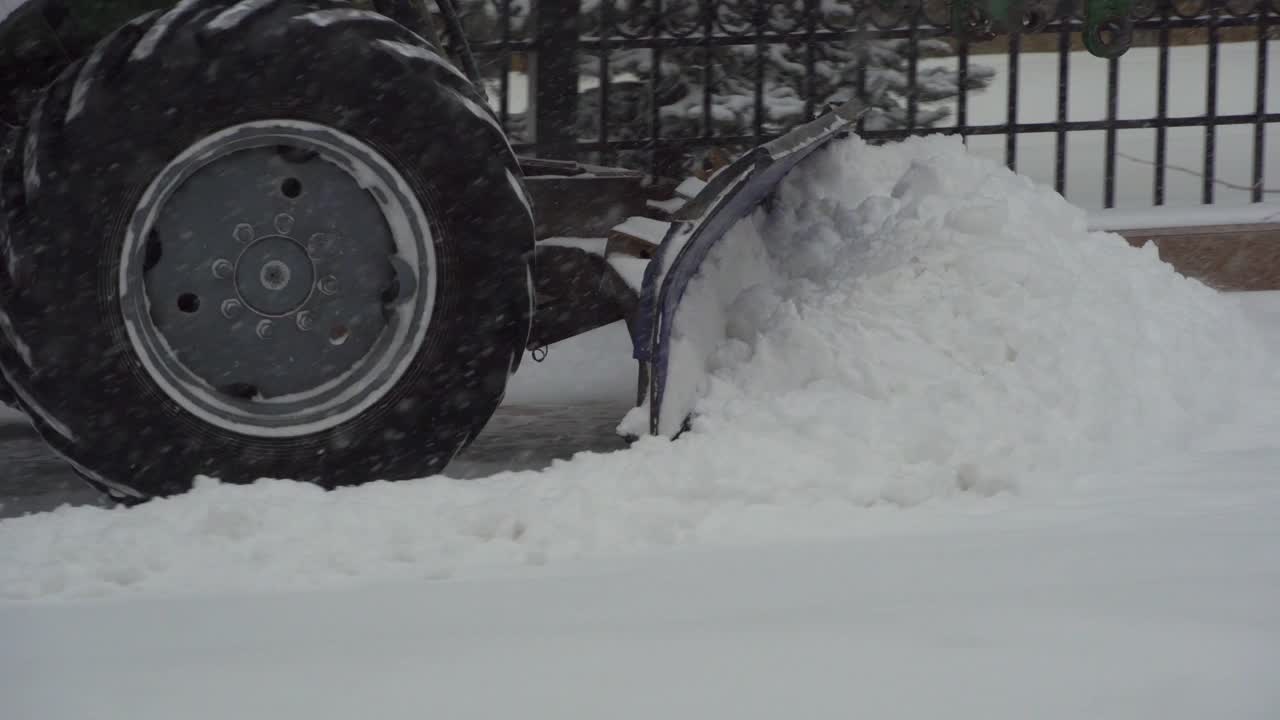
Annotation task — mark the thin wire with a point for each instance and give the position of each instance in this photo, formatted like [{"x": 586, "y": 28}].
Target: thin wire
[{"x": 1189, "y": 171}]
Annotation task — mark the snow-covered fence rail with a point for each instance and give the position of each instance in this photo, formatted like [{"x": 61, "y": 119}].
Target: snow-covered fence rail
[{"x": 665, "y": 83}]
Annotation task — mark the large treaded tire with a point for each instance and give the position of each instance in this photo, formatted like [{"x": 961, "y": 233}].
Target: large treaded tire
[{"x": 70, "y": 190}]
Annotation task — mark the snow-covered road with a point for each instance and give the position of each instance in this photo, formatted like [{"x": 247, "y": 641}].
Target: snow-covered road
[{"x": 1157, "y": 604}]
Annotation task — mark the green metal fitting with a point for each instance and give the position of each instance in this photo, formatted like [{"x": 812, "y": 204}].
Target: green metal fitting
[{"x": 1108, "y": 27}]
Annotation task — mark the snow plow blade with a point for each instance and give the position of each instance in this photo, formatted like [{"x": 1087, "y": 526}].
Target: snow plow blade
[{"x": 668, "y": 384}]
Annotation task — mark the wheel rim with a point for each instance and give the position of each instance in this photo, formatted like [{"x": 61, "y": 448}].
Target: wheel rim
[{"x": 277, "y": 278}]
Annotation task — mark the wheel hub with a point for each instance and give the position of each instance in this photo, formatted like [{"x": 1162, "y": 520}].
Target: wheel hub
[
  {"x": 274, "y": 276},
  {"x": 269, "y": 295}
]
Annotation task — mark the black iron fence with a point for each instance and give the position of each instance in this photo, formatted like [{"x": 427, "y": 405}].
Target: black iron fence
[{"x": 665, "y": 84}]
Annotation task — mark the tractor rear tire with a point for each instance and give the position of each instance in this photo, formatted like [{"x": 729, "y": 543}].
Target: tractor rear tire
[{"x": 262, "y": 239}]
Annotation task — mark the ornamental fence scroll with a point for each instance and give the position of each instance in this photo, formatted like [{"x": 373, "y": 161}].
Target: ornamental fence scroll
[{"x": 669, "y": 86}]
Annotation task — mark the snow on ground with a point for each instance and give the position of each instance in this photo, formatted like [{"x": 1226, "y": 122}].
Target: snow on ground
[
  {"x": 1154, "y": 597},
  {"x": 1158, "y": 606},
  {"x": 973, "y": 342},
  {"x": 1202, "y": 215}
]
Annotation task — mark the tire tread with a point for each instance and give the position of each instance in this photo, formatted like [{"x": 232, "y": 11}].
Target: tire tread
[{"x": 418, "y": 427}]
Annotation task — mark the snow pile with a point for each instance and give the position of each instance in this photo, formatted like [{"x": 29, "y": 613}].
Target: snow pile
[
  {"x": 933, "y": 328},
  {"x": 929, "y": 320}
]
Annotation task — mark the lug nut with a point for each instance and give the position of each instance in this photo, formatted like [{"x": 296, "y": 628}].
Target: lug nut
[
  {"x": 264, "y": 329},
  {"x": 222, "y": 269},
  {"x": 284, "y": 223},
  {"x": 231, "y": 308},
  {"x": 244, "y": 233},
  {"x": 304, "y": 320},
  {"x": 319, "y": 245},
  {"x": 328, "y": 285}
]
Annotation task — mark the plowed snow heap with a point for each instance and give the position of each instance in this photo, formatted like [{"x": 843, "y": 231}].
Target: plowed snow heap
[{"x": 920, "y": 320}]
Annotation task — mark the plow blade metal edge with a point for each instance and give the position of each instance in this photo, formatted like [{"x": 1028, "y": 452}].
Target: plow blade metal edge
[{"x": 733, "y": 194}]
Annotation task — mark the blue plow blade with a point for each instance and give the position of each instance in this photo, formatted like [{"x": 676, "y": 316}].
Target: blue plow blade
[{"x": 733, "y": 194}]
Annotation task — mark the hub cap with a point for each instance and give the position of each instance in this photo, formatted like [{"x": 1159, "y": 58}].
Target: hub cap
[{"x": 277, "y": 278}]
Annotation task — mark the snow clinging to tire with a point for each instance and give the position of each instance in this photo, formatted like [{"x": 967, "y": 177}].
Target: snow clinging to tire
[{"x": 918, "y": 326}]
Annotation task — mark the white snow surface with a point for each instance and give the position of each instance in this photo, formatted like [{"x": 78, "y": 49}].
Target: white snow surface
[
  {"x": 976, "y": 349},
  {"x": 1153, "y": 600},
  {"x": 1203, "y": 215},
  {"x": 644, "y": 228},
  {"x": 910, "y": 291}
]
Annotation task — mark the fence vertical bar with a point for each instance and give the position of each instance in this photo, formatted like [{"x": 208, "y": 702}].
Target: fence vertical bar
[
  {"x": 554, "y": 70},
  {"x": 1060, "y": 140},
  {"x": 606, "y": 30},
  {"x": 1260, "y": 110},
  {"x": 811, "y": 11},
  {"x": 708, "y": 77},
  {"x": 1162, "y": 106},
  {"x": 962, "y": 78},
  {"x": 760, "y": 17},
  {"x": 1011, "y": 134},
  {"x": 1210, "y": 107},
  {"x": 504, "y": 78},
  {"x": 861, "y": 23},
  {"x": 659, "y": 160},
  {"x": 1113, "y": 92},
  {"x": 913, "y": 66}
]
